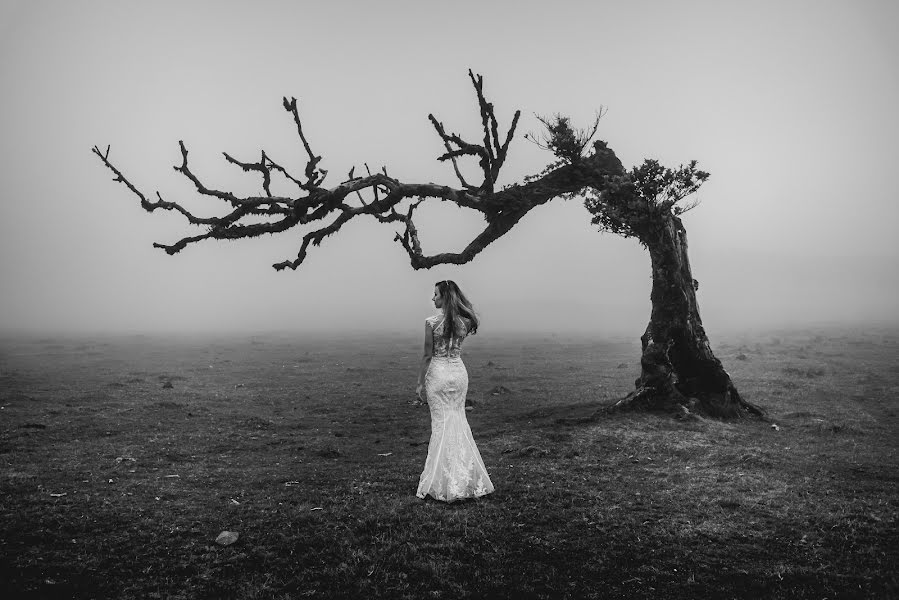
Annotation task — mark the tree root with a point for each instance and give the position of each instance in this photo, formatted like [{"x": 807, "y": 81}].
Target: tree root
[{"x": 727, "y": 405}]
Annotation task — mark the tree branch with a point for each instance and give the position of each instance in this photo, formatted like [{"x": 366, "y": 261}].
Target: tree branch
[
  {"x": 491, "y": 154},
  {"x": 314, "y": 203},
  {"x": 259, "y": 167},
  {"x": 450, "y": 153},
  {"x": 242, "y": 209},
  {"x": 314, "y": 176}
]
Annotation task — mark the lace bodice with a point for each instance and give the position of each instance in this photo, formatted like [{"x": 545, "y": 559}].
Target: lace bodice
[{"x": 443, "y": 347}]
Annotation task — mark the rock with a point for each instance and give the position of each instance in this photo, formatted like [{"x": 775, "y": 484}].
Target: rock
[
  {"x": 622, "y": 366},
  {"x": 226, "y": 538},
  {"x": 328, "y": 452},
  {"x": 167, "y": 385},
  {"x": 500, "y": 389},
  {"x": 742, "y": 356},
  {"x": 532, "y": 451}
]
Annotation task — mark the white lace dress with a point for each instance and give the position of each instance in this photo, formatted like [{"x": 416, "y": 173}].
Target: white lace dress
[{"x": 454, "y": 468}]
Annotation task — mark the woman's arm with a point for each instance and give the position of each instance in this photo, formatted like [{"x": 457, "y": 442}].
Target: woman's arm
[{"x": 425, "y": 359}]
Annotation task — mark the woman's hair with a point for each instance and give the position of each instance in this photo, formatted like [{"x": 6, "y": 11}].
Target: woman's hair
[{"x": 456, "y": 306}]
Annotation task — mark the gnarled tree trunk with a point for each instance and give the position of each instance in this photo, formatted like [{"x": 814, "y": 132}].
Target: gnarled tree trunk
[{"x": 678, "y": 369}]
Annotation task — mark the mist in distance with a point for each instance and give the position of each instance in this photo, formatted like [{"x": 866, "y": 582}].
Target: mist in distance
[{"x": 790, "y": 108}]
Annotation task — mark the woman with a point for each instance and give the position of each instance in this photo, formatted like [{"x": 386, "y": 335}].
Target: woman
[{"x": 453, "y": 469}]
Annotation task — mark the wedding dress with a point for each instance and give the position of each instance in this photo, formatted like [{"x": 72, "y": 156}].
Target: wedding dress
[{"x": 454, "y": 468}]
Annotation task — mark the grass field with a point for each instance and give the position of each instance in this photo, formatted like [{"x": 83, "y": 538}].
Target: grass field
[{"x": 124, "y": 458}]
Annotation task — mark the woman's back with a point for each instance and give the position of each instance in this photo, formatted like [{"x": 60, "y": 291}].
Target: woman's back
[{"x": 443, "y": 346}]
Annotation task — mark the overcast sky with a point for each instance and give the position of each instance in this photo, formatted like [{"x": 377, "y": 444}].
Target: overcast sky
[{"x": 791, "y": 106}]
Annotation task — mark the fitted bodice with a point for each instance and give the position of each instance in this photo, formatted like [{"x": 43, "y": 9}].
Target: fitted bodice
[{"x": 443, "y": 347}]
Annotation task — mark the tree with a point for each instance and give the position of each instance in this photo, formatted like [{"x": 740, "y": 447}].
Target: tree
[{"x": 679, "y": 370}]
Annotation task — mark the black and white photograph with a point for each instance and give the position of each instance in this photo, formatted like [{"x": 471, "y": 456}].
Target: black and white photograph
[{"x": 449, "y": 300}]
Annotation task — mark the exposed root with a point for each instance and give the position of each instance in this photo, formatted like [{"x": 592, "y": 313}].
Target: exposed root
[{"x": 727, "y": 405}]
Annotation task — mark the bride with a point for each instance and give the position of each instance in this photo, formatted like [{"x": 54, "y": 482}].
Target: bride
[{"x": 453, "y": 469}]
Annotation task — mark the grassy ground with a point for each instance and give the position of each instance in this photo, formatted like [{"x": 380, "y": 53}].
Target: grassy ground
[{"x": 116, "y": 485}]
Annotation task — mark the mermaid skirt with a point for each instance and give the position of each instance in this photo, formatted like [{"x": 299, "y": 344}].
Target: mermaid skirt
[{"x": 454, "y": 468}]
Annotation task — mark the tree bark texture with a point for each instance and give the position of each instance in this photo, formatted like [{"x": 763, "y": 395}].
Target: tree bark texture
[{"x": 678, "y": 369}]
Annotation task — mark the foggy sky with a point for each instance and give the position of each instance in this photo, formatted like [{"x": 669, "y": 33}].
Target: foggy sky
[{"x": 790, "y": 106}]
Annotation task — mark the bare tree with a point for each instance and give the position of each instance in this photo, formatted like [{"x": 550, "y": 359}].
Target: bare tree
[{"x": 679, "y": 370}]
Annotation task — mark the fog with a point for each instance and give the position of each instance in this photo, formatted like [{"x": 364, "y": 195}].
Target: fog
[{"x": 789, "y": 106}]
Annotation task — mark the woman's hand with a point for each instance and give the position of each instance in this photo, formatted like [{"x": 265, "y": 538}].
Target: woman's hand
[{"x": 418, "y": 400}]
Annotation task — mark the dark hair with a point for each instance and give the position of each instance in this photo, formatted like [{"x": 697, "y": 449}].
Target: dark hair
[{"x": 456, "y": 306}]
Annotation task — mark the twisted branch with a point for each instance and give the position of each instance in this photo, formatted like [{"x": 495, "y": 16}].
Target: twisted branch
[
  {"x": 379, "y": 194},
  {"x": 492, "y": 153}
]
